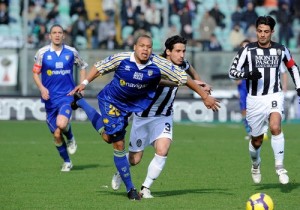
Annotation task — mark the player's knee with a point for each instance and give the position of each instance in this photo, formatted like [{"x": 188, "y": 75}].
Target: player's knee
[
  {"x": 134, "y": 160},
  {"x": 112, "y": 138},
  {"x": 135, "y": 157},
  {"x": 57, "y": 136},
  {"x": 257, "y": 141},
  {"x": 162, "y": 152},
  {"x": 275, "y": 129},
  {"x": 61, "y": 125},
  {"x": 106, "y": 137}
]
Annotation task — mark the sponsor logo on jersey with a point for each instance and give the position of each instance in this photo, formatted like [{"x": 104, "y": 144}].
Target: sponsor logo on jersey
[
  {"x": 58, "y": 72},
  {"x": 266, "y": 61},
  {"x": 49, "y": 72},
  {"x": 138, "y": 76},
  {"x": 59, "y": 65},
  {"x": 137, "y": 86},
  {"x": 49, "y": 57},
  {"x": 132, "y": 85},
  {"x": 122, "y": 82}
]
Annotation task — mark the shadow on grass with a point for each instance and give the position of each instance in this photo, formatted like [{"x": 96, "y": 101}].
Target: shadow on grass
[
  {"x": 287, "y": 188},
  {"x": 191, "y": 191},
  {"x": 84, "y": 167},
  {"x": 173, "y": 192}
]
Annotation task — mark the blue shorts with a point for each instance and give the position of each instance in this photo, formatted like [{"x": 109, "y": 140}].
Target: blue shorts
[
  {"x": 115, "y": 121},
  {"x": 64, "y": 109}
]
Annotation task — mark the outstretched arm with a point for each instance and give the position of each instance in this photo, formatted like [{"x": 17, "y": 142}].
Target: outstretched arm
[
  {"x": 209, "y": 101},
  {"x": 194, "y": 74},
  {"x": 93, "y": 73}
]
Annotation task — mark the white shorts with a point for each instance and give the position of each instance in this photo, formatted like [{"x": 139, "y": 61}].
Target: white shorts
[
  {"x": 145, "y": 130},
  {"x": 259, "y": 109}
]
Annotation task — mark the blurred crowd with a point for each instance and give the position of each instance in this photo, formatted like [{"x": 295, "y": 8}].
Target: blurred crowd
[{"x": 210, "y": 25}]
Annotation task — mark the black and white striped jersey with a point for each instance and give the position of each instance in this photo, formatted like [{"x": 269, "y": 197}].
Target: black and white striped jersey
[
  {"x": 162, "y": 103},
  {"x": 269, "y": 62}
]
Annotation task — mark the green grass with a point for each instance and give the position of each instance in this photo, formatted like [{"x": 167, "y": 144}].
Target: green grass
[{"x": 208, "y": 168}]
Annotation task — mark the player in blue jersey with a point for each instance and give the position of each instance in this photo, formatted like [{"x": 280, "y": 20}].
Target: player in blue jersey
[
  {"x": 242, "y": 91},
  {"x": 54, "y": 63},
  {"x": 132, "y": 89},
  {"x": 154, "y": 126}
]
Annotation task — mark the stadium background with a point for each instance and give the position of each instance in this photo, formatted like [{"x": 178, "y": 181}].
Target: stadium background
[{"x": 19, "y": 97}]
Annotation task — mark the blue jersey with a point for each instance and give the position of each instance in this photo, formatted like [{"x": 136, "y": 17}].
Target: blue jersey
[
  {"x": 133, "y": 85},
  {"x": 57, "y": 72},
  {"x": 242, "y": 89}
]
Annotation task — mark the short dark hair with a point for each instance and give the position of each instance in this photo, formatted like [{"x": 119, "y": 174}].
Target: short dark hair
[
  {"x": 171, "y": 41},
  {"x": 266, "y": 20},
  {"x": 56, "y": 25},
  {"x": 142, "y": 36}
]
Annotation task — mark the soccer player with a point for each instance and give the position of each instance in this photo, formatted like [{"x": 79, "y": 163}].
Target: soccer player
[
  {"x": 154, "y": 126},
  {"x": 132, "y": 89},
  {"x": 265, "y": 100},
  {"x": 242, "y": 90},
  {"x": 54, "y": 62}
]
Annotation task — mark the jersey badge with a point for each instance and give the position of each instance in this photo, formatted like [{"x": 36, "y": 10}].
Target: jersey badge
[
  {"x": 67, "y": 57},
  {"x": 139, "y": 142},
  {"x": 278, "y": 51},
  {"x": 150, "y": 73}
]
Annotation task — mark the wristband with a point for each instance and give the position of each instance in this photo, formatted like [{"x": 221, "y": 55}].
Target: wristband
[{"x": 85, "y": 82}]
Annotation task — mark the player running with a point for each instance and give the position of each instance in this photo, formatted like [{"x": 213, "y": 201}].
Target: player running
[
  {"x": 55, "y": 63},
  {"x": 154, "y": 126},
  {"x": 260, "y": 64}
]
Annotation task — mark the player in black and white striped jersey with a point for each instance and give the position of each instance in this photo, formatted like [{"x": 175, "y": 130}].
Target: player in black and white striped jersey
[
  {"x": 154, "y": 126},
  {"x": 264, "y": 61}
]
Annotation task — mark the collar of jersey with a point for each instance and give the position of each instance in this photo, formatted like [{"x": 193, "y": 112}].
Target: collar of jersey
[
  {"x": 52, "y": 49},
  {"x": 140, "y": 66}
]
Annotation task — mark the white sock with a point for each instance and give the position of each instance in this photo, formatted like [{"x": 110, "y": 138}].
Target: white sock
[
  {"x": 154, "y": 169},
  {"x": 127, "y": 157},
  {"x": 254, "y": 155},
  {"x": 277, "y": 143}
]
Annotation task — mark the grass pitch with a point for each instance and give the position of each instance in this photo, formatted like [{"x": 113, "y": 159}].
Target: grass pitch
[{"x": 208, "y": 168}]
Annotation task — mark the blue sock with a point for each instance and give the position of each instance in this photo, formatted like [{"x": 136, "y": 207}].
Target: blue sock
[
  {"x": 122, "y": 165},
  {"x": 68, "y": 132},
  {"x": 62, "y": 150},
  {"x": 92, "y": 114}
]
